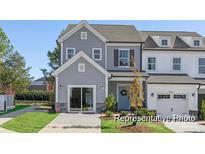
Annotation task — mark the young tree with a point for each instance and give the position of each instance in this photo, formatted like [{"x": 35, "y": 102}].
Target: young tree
[{"x": 136, "y": 94}]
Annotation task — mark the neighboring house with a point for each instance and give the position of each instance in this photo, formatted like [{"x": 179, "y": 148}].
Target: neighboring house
[
  {"x": 175, "y": 62},
  {"x": 96, "y": 61},
  {"x": 38, "y": 84}
]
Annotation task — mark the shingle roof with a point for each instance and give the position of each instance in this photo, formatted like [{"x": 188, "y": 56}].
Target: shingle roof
[
  {"x": 127, "y": 74},
  {"x": 114, "y": 33},
  {"x": 176, "y": 42},
  {"x": 171, "y": 79}
]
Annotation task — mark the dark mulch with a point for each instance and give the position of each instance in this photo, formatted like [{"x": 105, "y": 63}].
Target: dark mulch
[{"x": 135, "y": 128}]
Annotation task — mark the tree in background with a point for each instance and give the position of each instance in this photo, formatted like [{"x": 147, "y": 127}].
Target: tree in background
[
  {"x": 14, "y": 76},
  {"x": 54, "y": 63}
]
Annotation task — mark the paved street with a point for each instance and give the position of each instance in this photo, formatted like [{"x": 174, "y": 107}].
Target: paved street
[{"x": 74, "y": 123}]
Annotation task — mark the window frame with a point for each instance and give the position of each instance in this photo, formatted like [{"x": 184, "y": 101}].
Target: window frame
[
  {"x": 79, "y": 67},
  {"x": 82, "y": 34},
  {"x": 74, "y": 52},
  {"x": 195, "y": 44},
  {"x": 200, "y": 65},
  {"x": 164, "y": 98},
  {"x": 152, "y": 63},
  {"x": 119, "y": 58},
  {"x": 93, "y": 53},
  {"x": 173, "y": 64},
  {"x": 163, "y": 45}
]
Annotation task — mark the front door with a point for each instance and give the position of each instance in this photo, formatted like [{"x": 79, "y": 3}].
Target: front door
[
  {"x": 123, "y": 99},
  {"x": 81, "y": 99}
]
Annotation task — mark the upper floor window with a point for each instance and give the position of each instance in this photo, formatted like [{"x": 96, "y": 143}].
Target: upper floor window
[
  {"x": 83, "y": 35},
  {"x": 176, "y": 64},
  {"x": 97, "y": 53},
  {"x": 124, "y": 57},
  {"x": 201, "y": 65},
  {"x": 164, "y": 42},
  {"x": 196, "y": 43},
  {"x": 70, "y": 52},
  {"x": 151, "y": 63}
]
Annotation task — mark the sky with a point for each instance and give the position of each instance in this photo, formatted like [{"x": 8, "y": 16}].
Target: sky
[{"x": 34, "y": 38}]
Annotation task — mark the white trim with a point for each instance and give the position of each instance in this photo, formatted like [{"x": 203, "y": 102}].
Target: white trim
[
  {"x": 117, "y": 86},
  {"x": 82, "y": 86},
  {"x": 56, "y": 86},
  {"x": 125, "y": 49},
  {"x": 81, "y": 65},
  {"x": 61, "y": 53},
  {"x": 172, "y": 64},
  {"x": 82, "y": 34},
  {"x": 124, "y": 44},
  {"x": 106, "y": 56},
  {"x": 76, "y": 57},
  {"x": 78, "y": 27},
  {"x": 74, "y": 49},
  {"x": 121, "y": 79},
  {"x": 106, "y": 86},
  {"x": 100, "y": 49}
]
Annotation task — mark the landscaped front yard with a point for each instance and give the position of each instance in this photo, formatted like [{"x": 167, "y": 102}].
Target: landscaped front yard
[
  {"x": 108, "y": 125},
  {"x": 16, "y": 108},
  {"x": 30, "y": 122}
]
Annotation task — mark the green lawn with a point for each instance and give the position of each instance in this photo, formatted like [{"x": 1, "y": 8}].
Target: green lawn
[
  {"x": 30, "y": 122},
  {"x": 17, "y": 107},
  {"x": 110, "y": 126}
]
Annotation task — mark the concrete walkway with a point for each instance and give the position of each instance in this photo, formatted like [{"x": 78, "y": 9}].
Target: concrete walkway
[
  {"x": 6, "y": 117},
  {"x": 74, "y": 123},
  {"x": 186, "y": 127}
]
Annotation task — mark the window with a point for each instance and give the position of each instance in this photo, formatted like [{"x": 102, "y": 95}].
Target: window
[
  {"x": 97, "y": 53},
  {"x": 164, "y": 42},
  {"x": 163, "y": 96},
  {"x": 201, "y": 65},
  {"x": 196, "y": 43},
  {"x": 176, "y": 64},
  {"x": 151, "y": 63},
  {"x": 124, "y": 57},
  {"x": 179, "y": 96},
  {"x": 83, "y": 36},
  {"x": 81, "y": 67},
  {"x": 70, "y": 53}
]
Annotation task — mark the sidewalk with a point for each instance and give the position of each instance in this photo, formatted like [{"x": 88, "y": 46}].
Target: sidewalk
[{"x": 6, "y": 117}]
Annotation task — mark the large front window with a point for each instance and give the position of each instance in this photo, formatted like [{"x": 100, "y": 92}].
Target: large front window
[
  {"x": 151, "y": 63},
  {"x": 201, "y": 65},
  {"x": 124, "y": 57},
  {"x": 176, "y": 64}
]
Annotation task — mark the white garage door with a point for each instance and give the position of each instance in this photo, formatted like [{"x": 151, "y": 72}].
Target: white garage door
[{"x": 169, "y": 104}]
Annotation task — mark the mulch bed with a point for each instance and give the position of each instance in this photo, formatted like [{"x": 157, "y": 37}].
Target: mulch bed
[{"x": 135, "y": 128}]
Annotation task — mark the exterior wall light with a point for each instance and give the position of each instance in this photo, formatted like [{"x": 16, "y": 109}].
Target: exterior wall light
[
  {"x": 193, "y": 94},
  {"x": 152, "y": 94},
  {"x": 60, "y": 85}
]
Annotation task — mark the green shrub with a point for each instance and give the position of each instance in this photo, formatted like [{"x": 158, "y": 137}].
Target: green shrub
[
  {"x": 144, "y": 112},
  {"x": 108, "y": 113},
  {"x": 203, "y": 110},
  {"x": 33, "y": 95},
  {"x": 110, "y": 102},
  {"x": 124, "y": 113}
]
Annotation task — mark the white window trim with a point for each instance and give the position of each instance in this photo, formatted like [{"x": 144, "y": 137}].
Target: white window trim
[
  {"x": 128, "y": 58},
  {"x": 172, "y": 64},
  {"x": 200, "y": 42},
  {"x": 163, "y": 44},
  {"x": 82, "y": 34},
  {"x": 200, "y": 65},
  {"x": 93, "y": 49},
  {"x": 81, "y": 65},
  {"x": 67, "y": 52},
  {"x": 155, "y": 63}
]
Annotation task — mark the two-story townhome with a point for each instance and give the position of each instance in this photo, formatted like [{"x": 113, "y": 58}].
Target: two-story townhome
[
  {"x": 96, "y": 60},
  {"x": 175, "y": 62}
]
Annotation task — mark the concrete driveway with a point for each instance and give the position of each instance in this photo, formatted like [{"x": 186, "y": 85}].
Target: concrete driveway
[
  {"x": 187, "y": 127},
  {"x": 74, "y": 123}
]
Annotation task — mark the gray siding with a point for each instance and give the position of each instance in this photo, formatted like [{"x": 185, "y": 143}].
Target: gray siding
[
  {"x": 91, "y": 76},
  {"x": 110, "y": 57},
  {"x": 84, "y": 45}
]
